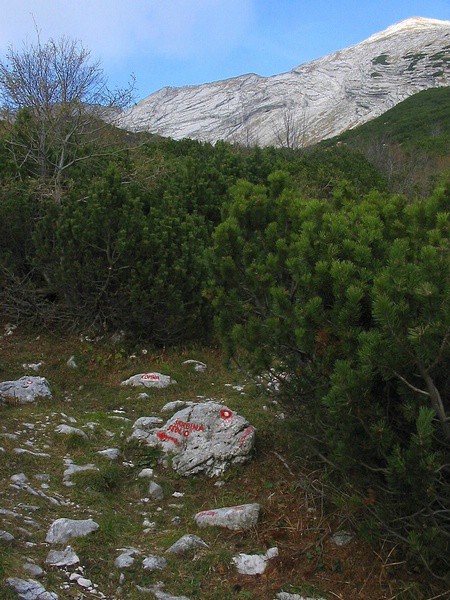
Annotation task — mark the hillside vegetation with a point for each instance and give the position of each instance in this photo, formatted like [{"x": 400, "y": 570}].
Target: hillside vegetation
[
  {"x": 421, "y": 122},
  {"x": 409, "y": 144},
  {"x": 307, "y": 267}
]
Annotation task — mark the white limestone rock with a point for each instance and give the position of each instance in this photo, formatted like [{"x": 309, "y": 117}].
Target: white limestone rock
[
  {"x": 72, "y": 469},
  {"x": 143, "y": 428},
  {"x": 72, "y": 363},
  {"x": 69, "y": 430},
  {"x": 31, "y": 453},
  {"x": 34, "y": 570},
  {"x": 341, "y": 538},
  {"x": 186, "y": 543},
  {"x": 198, "y": 365},
  {"x": 5, "y": 536},
  {"x": 33, "y": 366},
  {"x": 62, "y": 558},
  {"x": 175, "y": 405},
  {"x": 110, "y": 453},
  {"x": 25, "y": 390},
  {"x": 19, "y": 478},
  {"x": 236, "y": 518},
  {"x": 29, "y": 589},
  {"x": 150, "y": 380},
  {"x": 84, "y": 583},
  {"x": 62, "y": 530},
  {"x": 254, "y": 564},
  {"x": 146, "y": 473},
  {"x": 287, "y": 596},
  {"x": 206, "y": 437},
  {"x": 155, "y": 491},
  {"x": 126, "y": 559},
  {"x": 250, "y": 564},
  {"x": 154, "y": 563},
  {"x": 158, "y": 593}
]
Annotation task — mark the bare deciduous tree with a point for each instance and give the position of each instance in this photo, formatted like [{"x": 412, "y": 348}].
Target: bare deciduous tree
[
  {"x": 57, "y": 103},
  {"x": 292, "y": 132}
]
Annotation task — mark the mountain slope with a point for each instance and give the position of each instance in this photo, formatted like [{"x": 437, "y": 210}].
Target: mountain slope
[
  {"x": 314, "y": 101},
  {"x": 419, "y": 122}
]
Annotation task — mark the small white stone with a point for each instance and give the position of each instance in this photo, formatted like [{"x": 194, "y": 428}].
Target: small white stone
[
  {"x": 272, "y": 553},
  {"x": 155, "y": 491},
  {"x": 250, "y": 564},
  {"x": 146, "y": 473},
  {"x": 110, "y": 453},
  {"x": 72, "y": 363},
  {"x": 19, "y": 478},
  {"x": 84, "y": 583}
]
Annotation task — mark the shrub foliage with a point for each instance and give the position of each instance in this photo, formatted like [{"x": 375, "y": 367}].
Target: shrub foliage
[{"x": 351, "y": 298}]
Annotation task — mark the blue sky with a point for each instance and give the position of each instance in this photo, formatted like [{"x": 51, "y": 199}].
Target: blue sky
[{"x": 182, "y": 42}]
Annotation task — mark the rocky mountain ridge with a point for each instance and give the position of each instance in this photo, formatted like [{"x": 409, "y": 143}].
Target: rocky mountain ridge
[{"x": 314, "y": 101}]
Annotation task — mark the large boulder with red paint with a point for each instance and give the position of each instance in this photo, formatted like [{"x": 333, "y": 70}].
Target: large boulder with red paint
[
  {"x": 204, "y": 438},
  {"x": 149, "y": 380}
]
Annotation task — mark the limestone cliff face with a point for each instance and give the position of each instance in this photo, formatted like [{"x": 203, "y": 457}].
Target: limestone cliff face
[{"x": 312, "y": 102}]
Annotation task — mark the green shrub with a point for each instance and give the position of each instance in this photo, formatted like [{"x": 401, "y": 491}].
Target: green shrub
[
  {"x": 352, "y": 299},
  {"x": 115, "y": 260}
]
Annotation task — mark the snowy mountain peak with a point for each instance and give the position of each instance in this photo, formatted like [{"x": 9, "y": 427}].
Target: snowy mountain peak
[
  {"x": 411, "y": 24},
  {"x": 314, "y": 101}
]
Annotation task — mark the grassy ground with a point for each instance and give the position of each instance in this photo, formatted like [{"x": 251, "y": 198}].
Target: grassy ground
[{"x": 300, "y": 510}]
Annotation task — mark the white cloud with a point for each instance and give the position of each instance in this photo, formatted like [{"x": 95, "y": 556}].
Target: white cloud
[{"x": 114, "y": 29}]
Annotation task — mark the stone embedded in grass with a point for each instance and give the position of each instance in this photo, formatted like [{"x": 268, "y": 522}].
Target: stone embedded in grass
[
  {"x": 62, "y": 558},
  {"x": 254, "y": 564},
  {"x": 5, "y": 536},
  {"x": 29, "y": 589},
  {"x": 199, "y": 366},
  {"x": 341, "y": 538},
  {"x": 126, "y": 559},
  {"x": 68, "y": 430},
  {"x": 71, "y": 363},
  {"x": 84, "y": 583},
  {"x": 236, "y": 518},
  {"x": 154, "y": 563},
  {"x": 62, "y": 530},
  {"x": 286, "y": 596},
  {"x": 19, "y": 478},
  {"x": 186, "y": 543},
  {"x": 250, "y": 564},
  {"x": 146, "y": 473},
  {"x": 33, "y": 570},
  {"x": 24, "y": 390},
  {"x": 155, "y": 491},
  {"x": 25, "y": 451},
  {"x": 9, "y": 513},
  {"x": 72, "y": 469},
  {"x": 158, "y": 594},
  {"x": 110, "y": 453},
  {"x": 150, "y": 380},
  {"x": 33, "y": 366},
  {"x": 175, "y": 405},
  {"x": 206, "y": 437},
  {"x": 143, "y": 428}
]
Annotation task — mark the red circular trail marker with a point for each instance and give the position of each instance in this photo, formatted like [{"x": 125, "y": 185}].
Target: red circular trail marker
[{"x": 226, "y": 414}]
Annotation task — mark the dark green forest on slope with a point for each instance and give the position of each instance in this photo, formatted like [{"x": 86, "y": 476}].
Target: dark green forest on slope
[
  {"x": 409, "y": 144},
  {"x": 305, "y": 262},
  {"x": 421, "y": 122}
]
